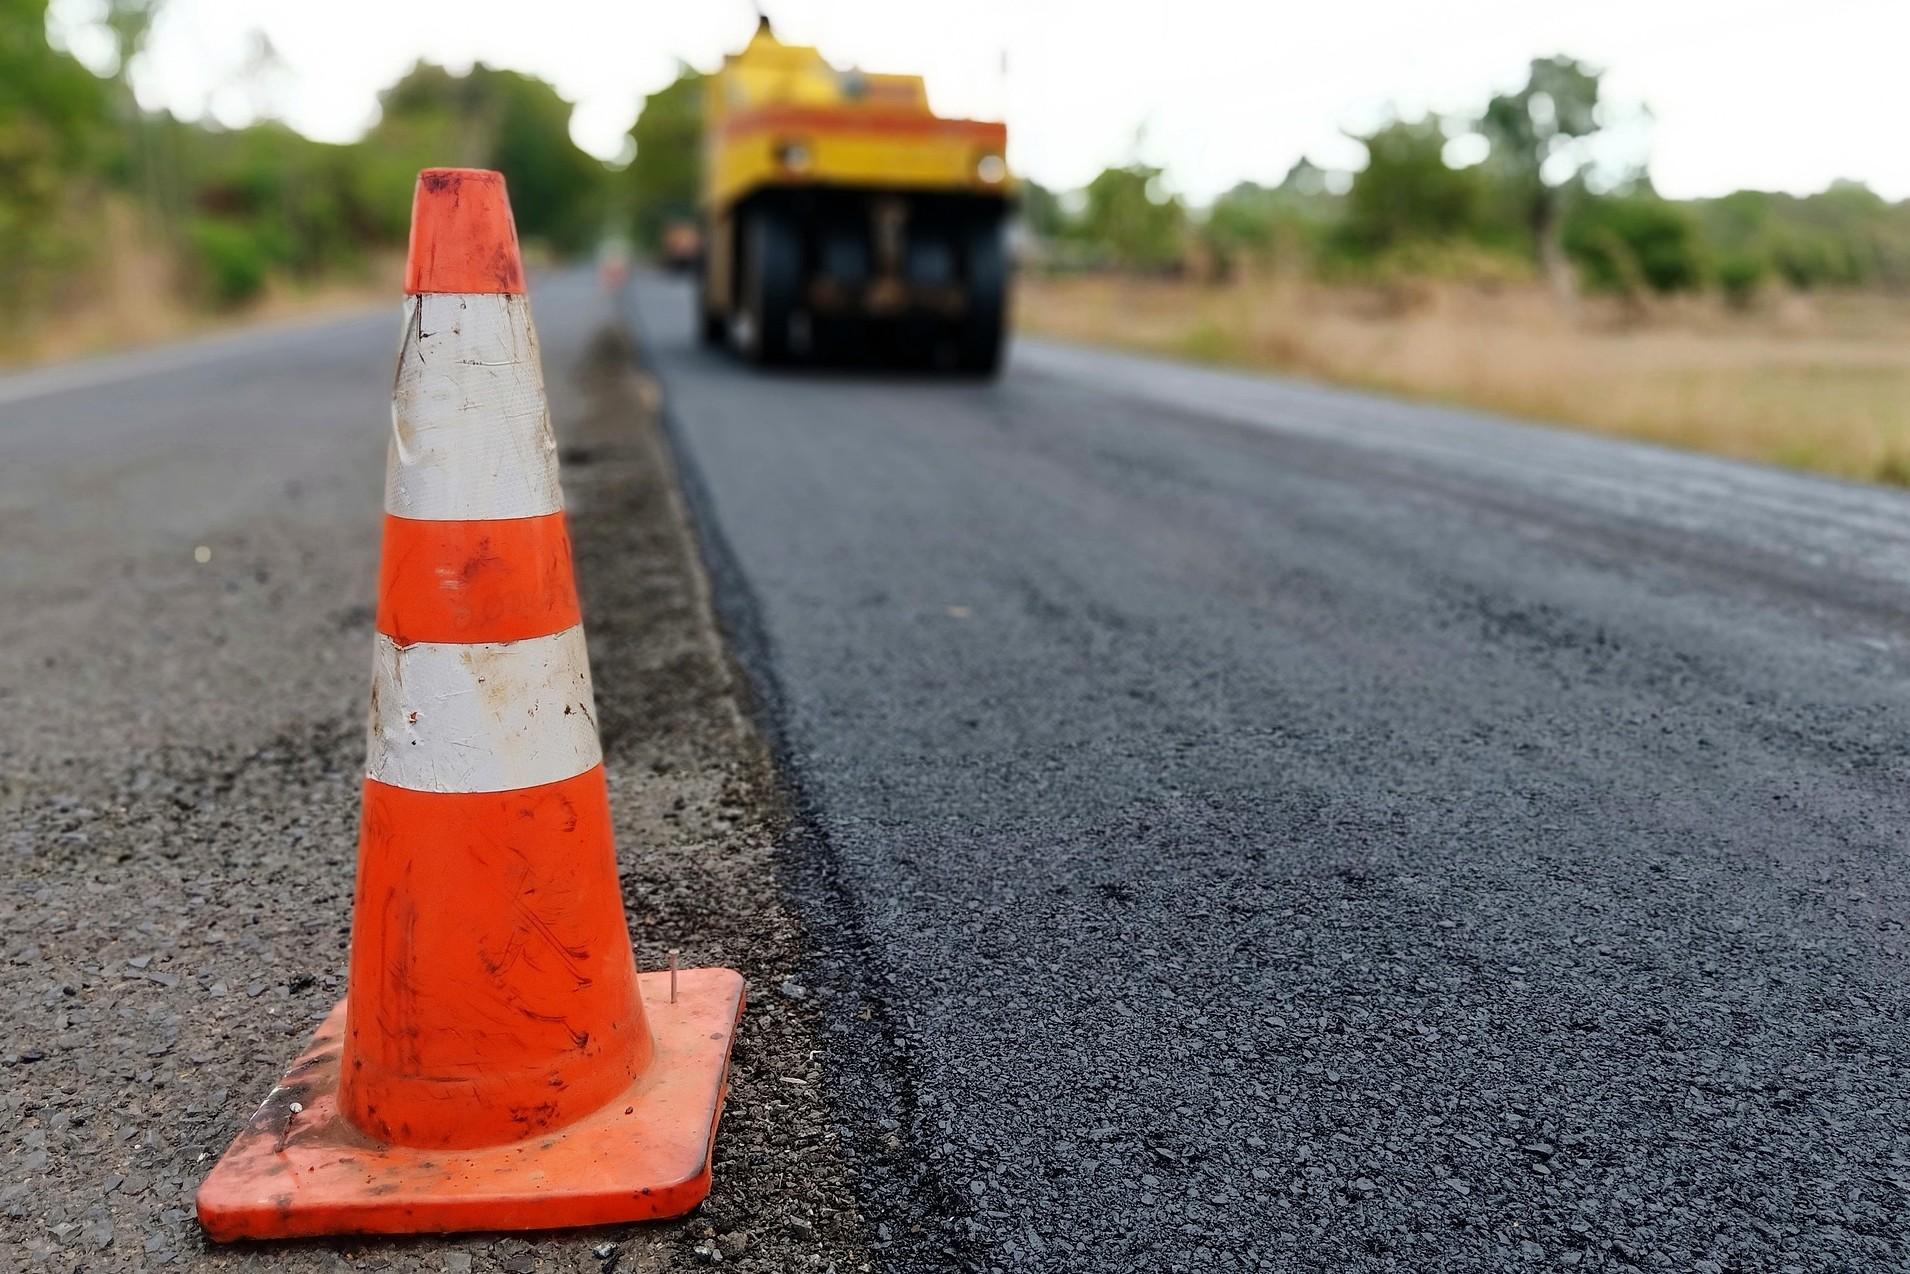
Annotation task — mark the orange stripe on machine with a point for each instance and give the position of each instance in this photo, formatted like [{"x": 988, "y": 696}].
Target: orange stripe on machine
[
  {"x": 470, "y": 430},
  {"x": 481, "y": 717},
  {"x": 821, "y": 122}
]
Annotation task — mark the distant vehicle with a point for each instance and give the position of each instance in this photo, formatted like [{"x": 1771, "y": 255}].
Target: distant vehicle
[
  {"x": 680, "y": 246},
  {"x": 613, "y": 262},
  {"x": 840, "y": 214}
]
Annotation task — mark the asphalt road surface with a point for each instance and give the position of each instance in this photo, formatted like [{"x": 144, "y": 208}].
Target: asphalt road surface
[
  {"x": 1219, "y": 824},
  {"x": 1245, "y": 825},
  {"x": 188, "y": 540}
]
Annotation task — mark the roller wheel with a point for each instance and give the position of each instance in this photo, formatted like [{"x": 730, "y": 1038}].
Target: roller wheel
[
  {"x": 979, "y": 341},
  {"x": 710, "y": 329},
  {"x": 772, "y": 275}
]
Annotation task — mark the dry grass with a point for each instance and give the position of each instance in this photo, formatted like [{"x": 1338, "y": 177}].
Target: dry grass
[
  {"x": 131, "y": 297},
  {"x": 1820, "y": 383}
]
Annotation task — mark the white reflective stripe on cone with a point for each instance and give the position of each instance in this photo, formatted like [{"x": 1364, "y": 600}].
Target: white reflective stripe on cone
[
  {"x": 470, "y": 429},
  {"x": 483, "y": 717}
]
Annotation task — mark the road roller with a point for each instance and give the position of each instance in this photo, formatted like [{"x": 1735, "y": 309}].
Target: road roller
[{"x": 842, "y": 219}]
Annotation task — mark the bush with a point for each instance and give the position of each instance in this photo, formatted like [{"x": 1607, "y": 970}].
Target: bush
[
  {"x": 56, "y": 138},
  {"x": 1262, "y": 225},
  {"x": 1128, "y": 214},
  {"x": 1809, "y": 259},
  {"x": 1740, "y": 276},
  {"x": 1631, "y": 243},
  {"x": 1407, "y": 194},
  {"x": 230, "y": 262}
]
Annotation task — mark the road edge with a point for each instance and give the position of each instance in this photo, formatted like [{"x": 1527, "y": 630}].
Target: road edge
[{"x": 920, "y": 1220}]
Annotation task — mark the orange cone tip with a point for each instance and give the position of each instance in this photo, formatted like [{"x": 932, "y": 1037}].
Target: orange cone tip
[{"x": 462, "y": 235}]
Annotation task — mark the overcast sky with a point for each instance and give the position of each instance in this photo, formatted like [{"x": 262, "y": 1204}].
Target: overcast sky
[{"x": 1774, "y": 94}]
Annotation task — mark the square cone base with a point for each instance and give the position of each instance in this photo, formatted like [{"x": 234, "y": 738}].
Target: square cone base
[{"x": 300, "y": 1169}]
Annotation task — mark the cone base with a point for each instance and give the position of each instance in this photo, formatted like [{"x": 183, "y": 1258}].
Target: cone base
[{"x": 644, "y": 1156}]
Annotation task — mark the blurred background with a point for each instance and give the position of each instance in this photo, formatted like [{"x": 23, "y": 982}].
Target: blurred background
[{"x": 1686, "y": 222}]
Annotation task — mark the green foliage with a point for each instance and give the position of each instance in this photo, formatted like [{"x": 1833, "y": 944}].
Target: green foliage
[
  {"x": 1536, "y": 155},
  {"x": 557, "y": 190},
  {"x": 1845, "y": 236},
  {"x": 230, "y": 259},
  {"x": 1241, "y": 226},
  {"x": 1633, "y": 243},
  {"x": 662, "y": 177},
  {"x": 1539, "y": 126},
  {"x": 1740, "y": 277},
  {"x": 1409, "y": 213},
  {"x": 237, "y": 207},
  {"x": 294, "y": 200},
  {"x": 1041, "y": 212},
  {"x": 1407, "y": 193},
  {"x": 514, "y": 123},
  {"x": 1264, "y": 226},
  {"x": 1129, "y": 215},
  {"x": 55, "y": 141}
]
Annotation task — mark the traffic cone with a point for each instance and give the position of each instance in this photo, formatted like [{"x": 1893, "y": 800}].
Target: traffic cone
[{"x": 497, "y": 1063}]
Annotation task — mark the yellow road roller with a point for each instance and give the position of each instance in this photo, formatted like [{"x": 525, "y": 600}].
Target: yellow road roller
[{"x": 842, "y": 218}]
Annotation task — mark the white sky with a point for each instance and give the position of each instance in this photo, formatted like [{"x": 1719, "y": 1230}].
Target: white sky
[{"x": 1773, "y": 94}]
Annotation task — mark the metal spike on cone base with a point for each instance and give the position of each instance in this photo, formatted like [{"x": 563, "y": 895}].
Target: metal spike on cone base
[{"x": 498, "y": 1063}]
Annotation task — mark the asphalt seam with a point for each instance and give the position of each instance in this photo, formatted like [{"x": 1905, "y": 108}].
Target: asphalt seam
[{"x": 916, "y": 1221}]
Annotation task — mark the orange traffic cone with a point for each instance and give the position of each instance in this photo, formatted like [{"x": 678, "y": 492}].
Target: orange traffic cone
[{"x": 498, "y": 1063}]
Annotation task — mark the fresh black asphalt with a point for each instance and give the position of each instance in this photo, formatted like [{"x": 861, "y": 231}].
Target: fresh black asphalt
[{"x": 1245, "y": 825}]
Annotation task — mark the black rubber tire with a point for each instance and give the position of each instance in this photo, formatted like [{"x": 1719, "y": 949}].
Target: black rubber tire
[
  {"x": 711, "y": 330},
  {"x": 772, "y": 279},
  {"x": 983, "y": 331}
]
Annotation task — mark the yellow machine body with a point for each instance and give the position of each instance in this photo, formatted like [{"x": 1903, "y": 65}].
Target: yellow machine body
[
  {"x": 775, "y": 103},
  {"x": 839, "y": 210}
]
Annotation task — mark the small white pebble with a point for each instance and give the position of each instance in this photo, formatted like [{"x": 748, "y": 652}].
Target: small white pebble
[
  {"x": 202, "y": 554},
  {"x": 297, "y": 1107}
]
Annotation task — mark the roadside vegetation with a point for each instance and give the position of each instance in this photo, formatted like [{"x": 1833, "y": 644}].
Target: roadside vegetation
[
  {"x": 1490, "y": 261},
  {"x": 1816, "y": 381},
  {"x": 119, "y": 224},
  {"x": 1502, "y": 259}
]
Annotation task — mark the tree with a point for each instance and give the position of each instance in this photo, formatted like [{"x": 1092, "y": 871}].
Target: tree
[
  {"x": 55, "y": 126},
  {"x": 1406, "y": 193},
  {"x": 1255, "y": 223},
  {"x": 514, "y": 123},
  {"x": 1240, "y": 226},
  {"x": 1631, "y": 243},
  {"x": 663, "y": 173},
  {"x": 1129, "y": 215},
  {"x": 1844, "y": 236},
  {"x": 1040, "y": 211},
  {"x": 1538, "y": 154},
  {"x": 1305, "y": 180},
  {"x": 557, "y": 190}
]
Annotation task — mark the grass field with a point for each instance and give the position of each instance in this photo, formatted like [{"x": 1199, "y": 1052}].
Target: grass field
[
  {"x": 134, "y": 297},
  {"x": 1818, "y": 382}
]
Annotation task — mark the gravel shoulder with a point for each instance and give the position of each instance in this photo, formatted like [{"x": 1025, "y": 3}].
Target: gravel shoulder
[{"x": 178, "y": 808}]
